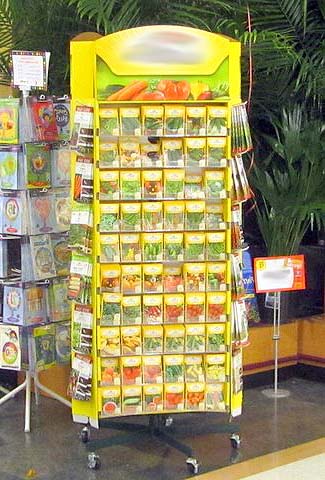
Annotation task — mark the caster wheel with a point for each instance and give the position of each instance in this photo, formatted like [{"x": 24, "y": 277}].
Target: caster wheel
[
  {"x": 85, "y": 435},
  {"x": 93, "y": 461},
  {"x": 169, "y": 421},
  {"x": 235, "y": 441},
  {"x": 193, "y": 465}
]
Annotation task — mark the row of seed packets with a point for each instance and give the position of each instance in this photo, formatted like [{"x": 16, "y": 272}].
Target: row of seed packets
[
  {"x": 137, "y": 339},
  {"x": 171, "y": 308},
  {"x": 157, "y": 120},
  {"x": 157, "y": 369},
  {"x": 134, "y": 399},
  {"x": 190, "y": 152},
  {"x": 159, "y": 184}
]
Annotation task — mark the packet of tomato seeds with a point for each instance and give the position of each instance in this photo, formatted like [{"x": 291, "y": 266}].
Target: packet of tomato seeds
[
  {"x": 152, "y": 369},
  {"x": 153, "y": 398},
  {"x": 152, "y": 309}
]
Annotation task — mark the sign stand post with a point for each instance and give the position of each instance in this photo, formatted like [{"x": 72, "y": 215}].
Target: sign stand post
[
  {"x": 276, "y": 392},
  {"x": 276, "y": 275}
]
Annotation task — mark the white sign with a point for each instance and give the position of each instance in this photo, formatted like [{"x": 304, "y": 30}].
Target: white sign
[{"x": 30, "y": 69}]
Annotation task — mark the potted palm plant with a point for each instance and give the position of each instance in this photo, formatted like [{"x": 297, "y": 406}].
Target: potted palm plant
[{"x": 289, "y": 184}]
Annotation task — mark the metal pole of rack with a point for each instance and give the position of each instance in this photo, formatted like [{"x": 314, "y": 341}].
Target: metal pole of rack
[{"x": 276, "y": 392}]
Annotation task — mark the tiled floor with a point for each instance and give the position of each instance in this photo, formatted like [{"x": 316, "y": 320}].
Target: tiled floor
[{"x": 53, "y": 451}]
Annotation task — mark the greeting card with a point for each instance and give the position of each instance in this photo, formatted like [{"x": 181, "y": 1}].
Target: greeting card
[
  {"x": 41, "y": 212},
  {"x": 61, "y": 163},
  {"x": 10, "y": 350},
  {"x": 9, "y": 120},
  {"x": 11, "y": 168},
  {"x": 42, "y": 257},
  {"x": 13, "y": 213},
  {"x": 62, "y": 116},
  {"x": 44, "y": 120}
]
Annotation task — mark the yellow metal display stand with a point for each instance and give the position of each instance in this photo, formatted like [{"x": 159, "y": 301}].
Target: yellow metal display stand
[{"x": 161, "y": 244}]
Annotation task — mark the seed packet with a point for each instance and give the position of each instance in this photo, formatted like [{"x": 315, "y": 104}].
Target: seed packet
[
  {"x": 174, "y": 184},
  {"x": 216, "y": 152},
  {"x": 152, "y": 337},
  {"x": 172, "y": 151},
  {"x": 216, "y": 338},
  {"x": 195, "y": 396},
  {"x": 130, "y": 154},
  {"x": 217, "y": 276},
  {"x": 216, "y": 398},
  {"x": 195, "y": 307},
  {"x": 151, "y": 155},
  {"x": 82, "y": 135},
  {"x": 152, "y": 215},
  {"x": 153, "y": 278},
  {"x": 152, "y": 244},
  {"x": 194, "y": 246},
  {"x": 194, "y": 277},
  {"x": 195, "y": 152},
  {"x": 131, "y": 279},
  {"x": 174, "y": 120},
  {"x": 153, "y": 120},
  {"x": 108, "y": 155},
  {"x": 109, "y": 248},
  {"x": 173, "y": 279},
  {"x": 152, "y": 369},
  {"x": 174, "y": 368},
  {"x": 153, "y": 398},
  {"x": 195, "y": 215},
  {"x": 215, "y": 184},
  {"x": 196, "y": 121},
  {"x": 108, "y": 121},
  {"x": 216, "y": 246},
  {"x": 79, "y": 386},
  {"x": 131, "y": 340},
  {"x": 130, "y": 247},
  {"x": 217, "y": 121},
  {"x": 110, "y": 278},
  {"x": 217, "y": 307},
  {"x": 38, "y": 165},
  {"x": 109, "y": 217},
  {"x": 194, "y": 368},
  {"x": 83, "y": 184},
  {"x": 131, "y": 310},
  {"x": 131, "y": 399},
  {"x": 193, "y": 188},
  {"x": 131, "y": 370},
  {"x": 130, "y": 185},
  {"x": 174, "y": 308},
  {"x": 130, "y": 121},
  {"x": 80, "y": 278},
  {"x": 110, "y": 401},
  {"x": 174, "y": 396},
  {"x": 152, "y": 184},
  {"x": 174, "y": 338},
  {"x": 152, "y": 309},
  {"x": 130, "y": 216},
  {"x": 215, "y": 216},
  {"x": 174, "y": 246},
  {"x": 109, "y": 341},
  {"x": 215, "y": 368},
  {"x": 109, "y": 371},
  {"x": 110, "y": 309},
  {"x": 195, "y": 338},
  {"x": 109, "y": 185},
  {"x": 82, "y": 328},
  {"x": 174, "y": 215},
  {"x": 9, "y": 123}
]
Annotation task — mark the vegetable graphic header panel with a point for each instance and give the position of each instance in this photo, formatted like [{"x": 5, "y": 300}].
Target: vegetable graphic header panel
[{"x": 159, "y": 63}]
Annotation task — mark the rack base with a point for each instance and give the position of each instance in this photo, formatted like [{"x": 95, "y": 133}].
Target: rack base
[
  {"x": 156, "y": 428},
  {"x": 26, "y": 385}
]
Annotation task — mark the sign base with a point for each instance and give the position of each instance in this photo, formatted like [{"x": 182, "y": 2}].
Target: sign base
[{"x": 279, "y": 393}]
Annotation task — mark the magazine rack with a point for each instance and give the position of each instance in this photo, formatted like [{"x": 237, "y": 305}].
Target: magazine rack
[{"x": 158, "y": 133}]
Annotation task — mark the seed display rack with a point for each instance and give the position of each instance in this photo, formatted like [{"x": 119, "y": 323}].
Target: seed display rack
[{"x": 154, "y": 242}]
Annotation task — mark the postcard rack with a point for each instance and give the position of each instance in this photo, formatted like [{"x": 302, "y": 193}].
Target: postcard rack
[
  {"x": 34, "y": 254},
  {"x": 152, "y": 321}
]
